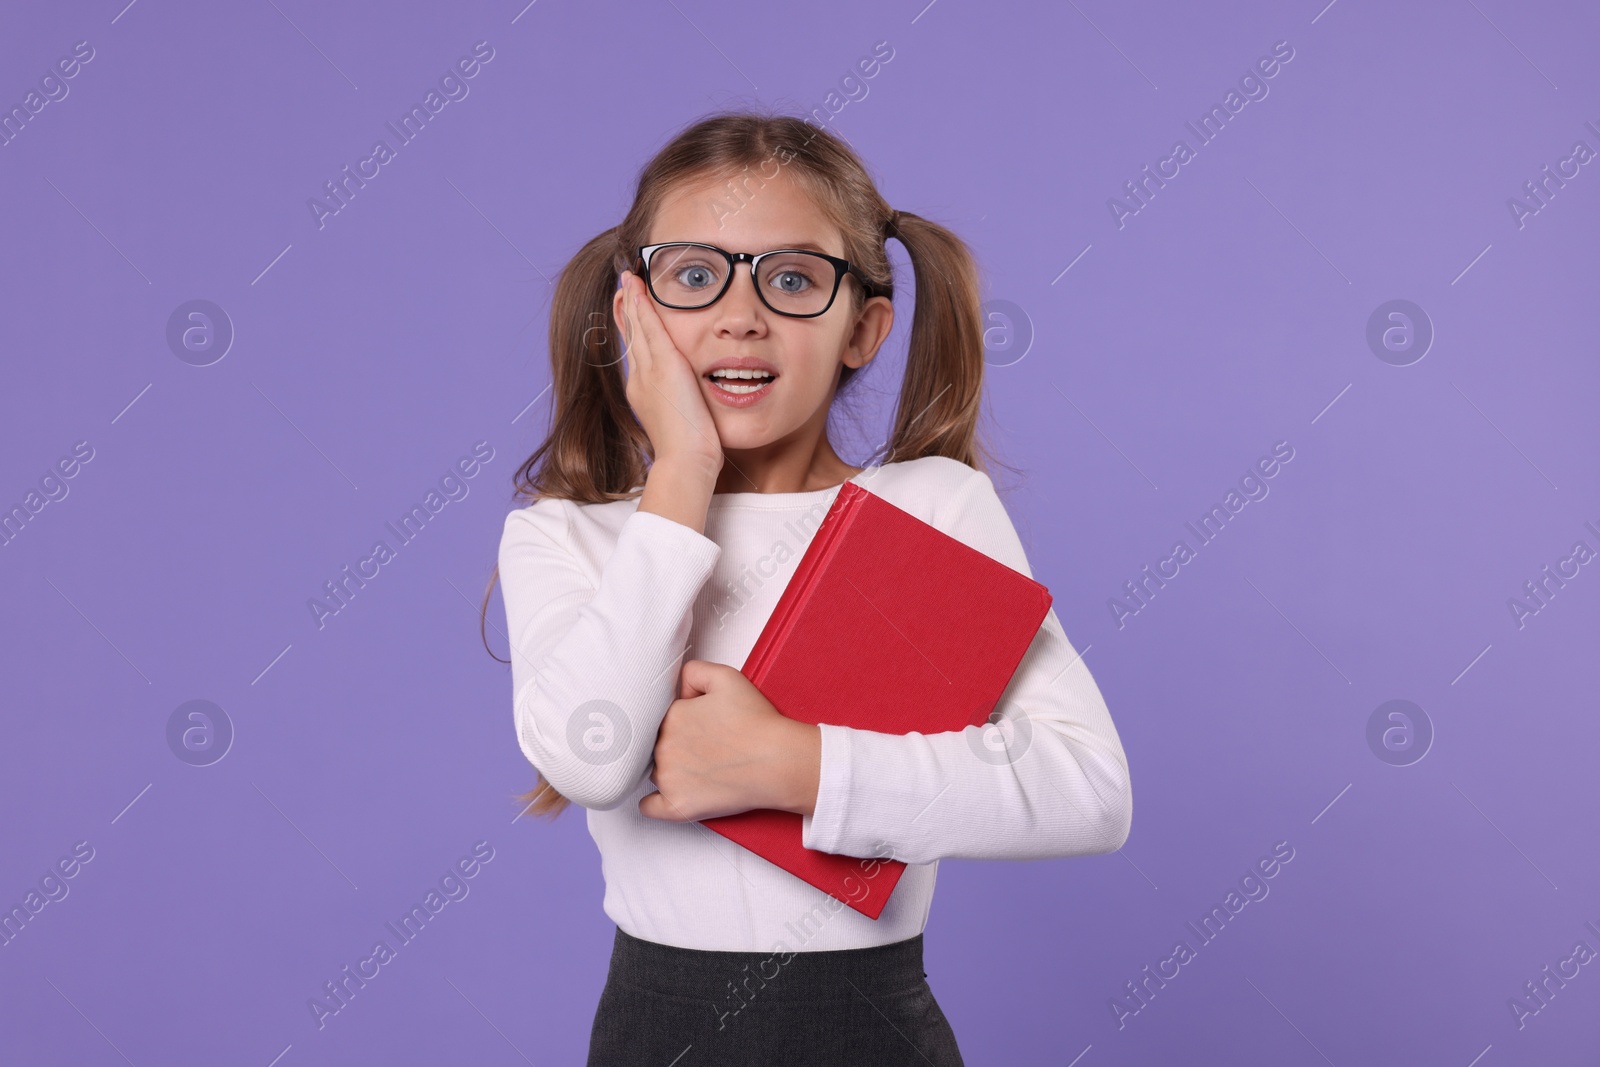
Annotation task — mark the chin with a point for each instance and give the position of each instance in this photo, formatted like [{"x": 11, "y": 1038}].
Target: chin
[
  {"x": 742, "y": 441},
  {"x": 740, "y": 433}
]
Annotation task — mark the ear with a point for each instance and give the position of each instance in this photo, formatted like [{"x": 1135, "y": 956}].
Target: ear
[{"x": 871, "y": 329}]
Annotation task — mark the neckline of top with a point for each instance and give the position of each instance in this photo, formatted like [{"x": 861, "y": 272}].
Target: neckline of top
[{"x": 789, "y": 500}]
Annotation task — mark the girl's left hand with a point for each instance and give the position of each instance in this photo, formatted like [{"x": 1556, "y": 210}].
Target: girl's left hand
[{"x": 723, "y": 748}]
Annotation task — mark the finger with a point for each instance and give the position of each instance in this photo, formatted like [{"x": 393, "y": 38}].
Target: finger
[
  {"x": 619, "y": 316},
  {"x": 657, "y": 806},
  {"x": 696, "y": 678},
  {"x": 648, "y": 325},
  {"x": 630, "y": 308},
  {"x": 630, "y": 329}
]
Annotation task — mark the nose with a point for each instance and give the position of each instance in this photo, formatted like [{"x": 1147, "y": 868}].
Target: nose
[{"x": 740, "y": 305}]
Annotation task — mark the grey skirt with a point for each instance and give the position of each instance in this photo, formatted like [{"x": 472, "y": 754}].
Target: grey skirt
[{"x": 665, "y": 1006}]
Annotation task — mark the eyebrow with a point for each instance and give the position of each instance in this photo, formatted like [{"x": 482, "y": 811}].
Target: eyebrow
[{"x": 809, "y": 245}]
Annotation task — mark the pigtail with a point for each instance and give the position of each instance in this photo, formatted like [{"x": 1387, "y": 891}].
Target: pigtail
[{"x": 941, "y": 392}]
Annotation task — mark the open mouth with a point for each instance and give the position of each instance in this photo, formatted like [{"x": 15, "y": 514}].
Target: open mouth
[{"x": 741, "y": 382}]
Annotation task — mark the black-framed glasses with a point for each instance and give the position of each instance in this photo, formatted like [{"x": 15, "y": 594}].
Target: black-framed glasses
[{"x": 797, "y": 282}]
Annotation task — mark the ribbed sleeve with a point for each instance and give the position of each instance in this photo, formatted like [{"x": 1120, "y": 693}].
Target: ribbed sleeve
[
  {"x": 1054, "y": 782},
  {"x": 594, "y": 658}
]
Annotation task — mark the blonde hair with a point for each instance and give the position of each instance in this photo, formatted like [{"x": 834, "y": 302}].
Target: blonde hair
[{"x": 597, "y": 451}]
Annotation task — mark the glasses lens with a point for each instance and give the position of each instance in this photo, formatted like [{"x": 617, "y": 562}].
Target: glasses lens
[
  {"x": 687, "y": 276},
  {"x": 798, "y": 283}
]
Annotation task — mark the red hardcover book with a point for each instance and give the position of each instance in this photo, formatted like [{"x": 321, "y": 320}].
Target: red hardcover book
[{"x": 888, "y": 624}]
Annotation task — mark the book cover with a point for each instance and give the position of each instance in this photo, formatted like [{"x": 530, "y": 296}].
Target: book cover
[{"x": 888, "y": 624}]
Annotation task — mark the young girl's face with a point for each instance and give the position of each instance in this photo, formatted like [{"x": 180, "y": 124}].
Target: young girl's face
[{"x": 804, "y": 354}]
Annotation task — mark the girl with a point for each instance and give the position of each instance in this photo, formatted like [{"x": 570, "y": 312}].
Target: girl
[{"x": 687, "y": 465}]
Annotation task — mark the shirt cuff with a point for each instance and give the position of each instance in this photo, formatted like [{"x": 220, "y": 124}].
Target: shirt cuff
[
  {"x": 824, "y": 829},
  {"x": 699, "y": 551}
]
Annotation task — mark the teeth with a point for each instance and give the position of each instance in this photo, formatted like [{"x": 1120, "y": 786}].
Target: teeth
[
  {"x": 728, "y": 387},
  {"x": 740, "y": 374}
]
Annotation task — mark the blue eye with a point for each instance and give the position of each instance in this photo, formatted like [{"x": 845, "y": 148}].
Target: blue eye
[
  {"x": 791, "y": 281},
  {"x": 701, "y": 277}
]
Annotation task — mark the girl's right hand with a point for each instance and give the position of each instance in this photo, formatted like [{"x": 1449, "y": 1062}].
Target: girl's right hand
[{"x": 662, "y": 388}]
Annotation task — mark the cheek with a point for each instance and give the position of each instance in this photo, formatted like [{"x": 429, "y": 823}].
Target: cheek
[
  {"x": 808, "y": 385},
  {"x": 812, "y": 364}
]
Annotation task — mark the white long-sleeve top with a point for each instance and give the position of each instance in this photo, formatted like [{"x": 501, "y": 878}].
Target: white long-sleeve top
[{"x": 605, "y": 602}]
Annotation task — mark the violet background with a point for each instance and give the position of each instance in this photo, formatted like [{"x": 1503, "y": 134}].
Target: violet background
[{"x": 1229, "y": 314}]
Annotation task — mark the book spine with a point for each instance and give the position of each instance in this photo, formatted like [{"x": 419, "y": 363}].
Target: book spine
[{"x": 795, "y": 594}]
